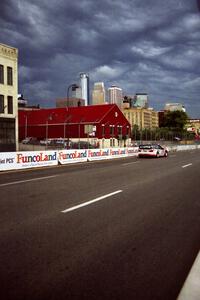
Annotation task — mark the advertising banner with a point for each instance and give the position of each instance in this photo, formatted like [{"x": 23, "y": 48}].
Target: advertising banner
[
  {"x": 133, "y": 151},
  {"x": 7, "y": 161},
  {"x": 118, "y": 152},
  {"x": 98, "y": 154},
  {"x": 72, "y": 156},
  {"x": 32, "y": 159}
]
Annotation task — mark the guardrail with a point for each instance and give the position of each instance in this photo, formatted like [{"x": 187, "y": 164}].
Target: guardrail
[{"x": 33, "y": 159}]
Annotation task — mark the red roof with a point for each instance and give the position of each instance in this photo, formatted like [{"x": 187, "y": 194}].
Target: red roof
[{"x": 83, "y": 114}]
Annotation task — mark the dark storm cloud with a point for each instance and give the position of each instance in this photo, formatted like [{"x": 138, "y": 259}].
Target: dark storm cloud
[
  {"x": 143, "y": 46},
  {"x": 198, "y": 4}
]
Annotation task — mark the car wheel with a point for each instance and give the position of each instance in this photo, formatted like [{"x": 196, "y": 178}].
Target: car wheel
[
  {"x": 166, "y": 154},
  {"x": 157, "y": 155}
]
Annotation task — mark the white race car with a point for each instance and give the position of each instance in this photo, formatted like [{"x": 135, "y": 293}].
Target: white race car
[{"x": 152, "y": 150}]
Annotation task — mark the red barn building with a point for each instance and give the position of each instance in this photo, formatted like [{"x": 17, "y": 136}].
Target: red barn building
[{"x": 103, "y": 123}]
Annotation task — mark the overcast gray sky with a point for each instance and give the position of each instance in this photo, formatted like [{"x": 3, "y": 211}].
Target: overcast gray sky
[{"x": 150, "y": 46}]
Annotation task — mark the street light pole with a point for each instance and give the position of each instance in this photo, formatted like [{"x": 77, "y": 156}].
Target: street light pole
[
  {"x": 47, "y": 124},
  {"x": 79, "y": 132},
  {"x": 64, "y": 130},
  {"x": 47, "y": 128},
  {"x": 26, "y": 125},
  {"x": 65, "y": 121},
  {"x": 103, "y": 134},
  {"x": 128, "y": 132}
]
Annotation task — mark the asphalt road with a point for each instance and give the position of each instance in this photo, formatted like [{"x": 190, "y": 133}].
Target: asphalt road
[{"x": 137, "y": 242}]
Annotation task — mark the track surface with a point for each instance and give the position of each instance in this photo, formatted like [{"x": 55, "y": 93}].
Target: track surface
[{"x": 137, "y": 240}]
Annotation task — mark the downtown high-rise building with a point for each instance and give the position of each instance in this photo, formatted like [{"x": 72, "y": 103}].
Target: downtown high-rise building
[
  {"x": 77, "y": 92},
  {"x": 85, "y": 90},
  {"x": 141, "y": 100},
  {"x": 115, "y": 95},
  {"x": 98, "y": 93}
]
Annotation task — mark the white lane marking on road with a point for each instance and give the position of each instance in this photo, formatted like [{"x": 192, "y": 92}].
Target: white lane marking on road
[
  {"x": 188, "y": 165},
  {"x": 91, "y": 201},
  {"x": 191, "y": 287},
  {"x": 133, "y": 162},
  {"x": 28, "y": 180}
]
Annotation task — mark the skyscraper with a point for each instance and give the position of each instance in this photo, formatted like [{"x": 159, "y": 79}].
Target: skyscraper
[
  {"x": 98, "y": 93},
  {"x": 141, "y": 100},
  {"x": 85, "y": 91},
  {"x": 115, "y": 95},
  {"x": 77, "y": 93}
]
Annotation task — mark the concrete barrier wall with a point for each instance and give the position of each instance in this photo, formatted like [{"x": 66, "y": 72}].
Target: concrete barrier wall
[
  {"x": 34, "y": 159},
  {"x": 183, "y": 147}
]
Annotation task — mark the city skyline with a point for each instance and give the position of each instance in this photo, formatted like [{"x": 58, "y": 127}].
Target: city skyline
[{"x": 141, "y": 46}]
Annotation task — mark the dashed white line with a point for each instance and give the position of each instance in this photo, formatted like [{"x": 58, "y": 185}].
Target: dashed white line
[
  {"x": 133, "y": 162},
  {"x": 188, "y": 165},
  {"x": 28, "y": 180},
  {"x": 91, "y": 201}
]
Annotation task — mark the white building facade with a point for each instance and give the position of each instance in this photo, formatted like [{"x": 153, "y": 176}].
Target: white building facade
[
  {"x": 8, "y": 98},
  {"x": 174, "y": 107},
  {"x": 85, "y": 90},
  {"x": 115, "y": 95}
]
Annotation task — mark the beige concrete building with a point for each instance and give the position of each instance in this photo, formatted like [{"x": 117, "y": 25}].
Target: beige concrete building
[
  {"x": 115, "y": 96},
  {"x": 154, "y": 119},
  {"x": 98, "y": 93},
  {"x": 143, "y": 118},
  {"x": 8, "y": 98}
]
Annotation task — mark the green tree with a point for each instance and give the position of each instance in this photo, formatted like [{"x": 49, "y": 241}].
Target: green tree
[
  {"x": 175, "y": 120},
  {"x": 135, "y": 132}
]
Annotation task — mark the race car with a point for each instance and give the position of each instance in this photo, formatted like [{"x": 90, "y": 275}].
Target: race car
[{"x": 152, "y": 150}]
